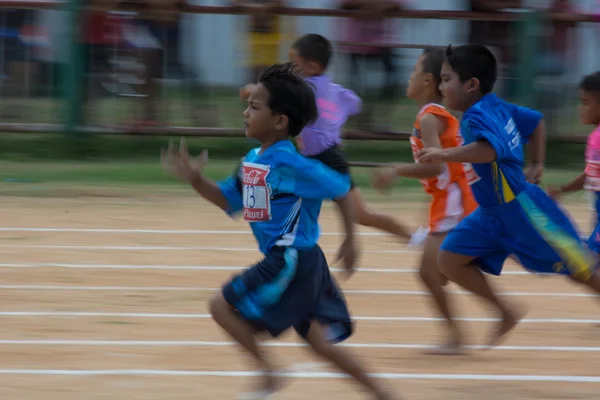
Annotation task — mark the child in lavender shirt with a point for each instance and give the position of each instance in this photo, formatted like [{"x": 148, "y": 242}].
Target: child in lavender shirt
[{"x": 322, "y": 140}]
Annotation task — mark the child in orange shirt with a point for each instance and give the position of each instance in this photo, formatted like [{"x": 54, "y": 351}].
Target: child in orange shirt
[{"x": 448, "y": 184}]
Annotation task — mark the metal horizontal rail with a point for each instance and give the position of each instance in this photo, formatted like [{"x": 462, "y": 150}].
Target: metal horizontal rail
[
  {"x": 329, "y": 12},
  {"x": 220, "y": 132},
  {"x": 179, "y": 131}
]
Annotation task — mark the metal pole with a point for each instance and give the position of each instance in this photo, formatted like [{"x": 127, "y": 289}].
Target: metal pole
[{"x": 73, "y": 69}]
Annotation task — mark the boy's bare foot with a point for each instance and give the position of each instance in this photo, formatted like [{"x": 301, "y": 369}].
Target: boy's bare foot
[
  {"x": 269, "y": 385},
  {"x": 451, "y": 348},
  {"x": 509, "y": 321},
  {"x": 386, "y": 396}
]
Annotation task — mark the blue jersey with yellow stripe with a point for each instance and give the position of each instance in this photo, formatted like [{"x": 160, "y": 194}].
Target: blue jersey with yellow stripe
[
  {"x": 515, "y": 217},
  {"x": 506, "y": 127}
]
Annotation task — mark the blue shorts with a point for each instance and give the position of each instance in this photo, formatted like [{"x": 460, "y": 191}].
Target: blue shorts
[
  {"x": 290, "y": 288},
  {"x": 533, "y": 228},
  {"x": 594, "y": 240}
]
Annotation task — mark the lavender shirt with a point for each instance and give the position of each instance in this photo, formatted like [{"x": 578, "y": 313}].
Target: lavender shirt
[{"x": 335, "y": 104}]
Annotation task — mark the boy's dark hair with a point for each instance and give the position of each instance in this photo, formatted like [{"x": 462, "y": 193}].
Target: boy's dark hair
[
  {"x": 314, "y": 48},
  {"x": 432, "y": 64},
  {"x": 591, "y": 84},
  {"x": 290, "y": 95},
  {"x": 474, "y": 61}
]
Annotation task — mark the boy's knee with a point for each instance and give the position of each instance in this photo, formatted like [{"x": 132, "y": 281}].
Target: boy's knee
[
  {"x": 316, "y": 338},
  {"x": 217, "y": 305},
  {"x": 427, "y": 275},
  {"x": 450, "y": 264},
  {"x": 445, "y": 264},
  {"x": 432, "y": 276},
  {"x": 319, "y": 345}
]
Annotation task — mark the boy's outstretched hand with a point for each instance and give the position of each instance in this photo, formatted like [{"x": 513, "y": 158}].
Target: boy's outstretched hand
[
  {"x": 534, "y": 172},
  {"x": 555, "y": 192},
  {"x": 431, "y": 155},
  {"x": 179, "y": 164},
  {"x": 348, "y": 253},
  {"x": 383, "y": 178}
]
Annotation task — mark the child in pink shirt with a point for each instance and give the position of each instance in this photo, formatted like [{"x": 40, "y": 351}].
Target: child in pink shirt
[{"x": 589, "y": 112}]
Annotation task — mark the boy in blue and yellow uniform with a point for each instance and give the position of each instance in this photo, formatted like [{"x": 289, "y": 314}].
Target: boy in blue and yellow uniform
[
  {"x": 515, "y": 217},
  {"x": 279, "y": 192}
]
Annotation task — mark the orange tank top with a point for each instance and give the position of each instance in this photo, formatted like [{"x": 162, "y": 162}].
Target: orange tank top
[{"x": 452, "y": 172}]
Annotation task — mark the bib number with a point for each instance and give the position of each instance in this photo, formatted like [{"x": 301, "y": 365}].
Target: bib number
[
  {"x": 414, "y": 145},
  {"x": 256, "y": 196},
  {"x": 470, "y": 173}
]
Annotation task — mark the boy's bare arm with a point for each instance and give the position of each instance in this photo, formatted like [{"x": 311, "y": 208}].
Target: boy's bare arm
[
  {"x": 178, "y": 163},
  {"x": 537, "y": 154}
]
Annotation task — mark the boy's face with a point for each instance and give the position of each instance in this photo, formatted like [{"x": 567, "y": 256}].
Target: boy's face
[
  {"x": 589, "y": 107},
  {"x": 417, "y": 81},
  {"x": 454, "y": 91},
  {"x": 260, "y": 121}
]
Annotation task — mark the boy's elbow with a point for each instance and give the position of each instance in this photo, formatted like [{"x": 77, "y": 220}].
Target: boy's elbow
[{"x": 540, "y": 129}]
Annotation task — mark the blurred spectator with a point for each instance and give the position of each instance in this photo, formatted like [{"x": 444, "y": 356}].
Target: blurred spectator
[
  {"x": 371, "y": 30},
  {"x": 156, "y": 35},
  {"x": 266, "y": 34},
  {"x": 497, "y": 35},
  {"x": 99, "y": 39},
  {"x": 552, "y": 61},
  {"x": 18, "y": 68}
]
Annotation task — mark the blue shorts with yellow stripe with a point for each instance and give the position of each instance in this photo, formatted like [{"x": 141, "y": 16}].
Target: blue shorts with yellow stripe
[{"x": 532, "y": 228}]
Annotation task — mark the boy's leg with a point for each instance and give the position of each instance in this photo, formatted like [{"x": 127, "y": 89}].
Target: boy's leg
[
  {"x": 341, "y": 358},
  {"x": 376, "y": 220},
  {"x": 243, "y": 332},
  {"x": 335, "y": 159},
  {"x": 468, "y": 249},
  {"x": 434, "y": 280},
  {"x": 553, "y": 245},
  {"x": 263, "y": 298},
  {"x": 329, "y": 322},
  {"x": 465, "y": 271}
]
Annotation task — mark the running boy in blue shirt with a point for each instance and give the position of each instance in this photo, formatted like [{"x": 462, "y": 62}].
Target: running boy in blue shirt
[
  {"x": 279, "y": 192},
  {"x": 514, "y": 217}
]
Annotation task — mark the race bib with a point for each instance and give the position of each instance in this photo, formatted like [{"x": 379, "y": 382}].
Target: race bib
[
  {"x": 414, "y": 146},
  {"x": 592, "y": 176},
  {"x": 257, "y": 203},
  {"x": 470, "y": 173}
]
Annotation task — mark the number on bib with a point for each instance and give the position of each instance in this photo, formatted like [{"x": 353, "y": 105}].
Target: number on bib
[
  {"x": 256, "y": 196},
  {"x": 470, "y": 173}
]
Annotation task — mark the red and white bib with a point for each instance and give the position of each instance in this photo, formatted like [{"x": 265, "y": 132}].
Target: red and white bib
[{"x": 256, "y": 193}]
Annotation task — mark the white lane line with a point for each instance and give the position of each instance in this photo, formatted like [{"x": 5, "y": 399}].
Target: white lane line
[
  {"x": 304, "y": 375},
  {"x": 176, "y": 248},
  {"x": 194, "y": 343},
  {"x": 165, "y": 231},
  {"x": 203, "y": 316},
  {"x": 211, "y": 289},
  {"x": 214, "y": 268}
]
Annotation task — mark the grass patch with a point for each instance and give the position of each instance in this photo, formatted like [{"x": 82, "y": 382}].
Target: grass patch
[
  {"x": 151, "y": 173},
  {"x": 133, "y": 149}
]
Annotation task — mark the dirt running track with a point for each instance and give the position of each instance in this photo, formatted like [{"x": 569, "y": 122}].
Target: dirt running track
[{"x": 109, "y": 302}]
